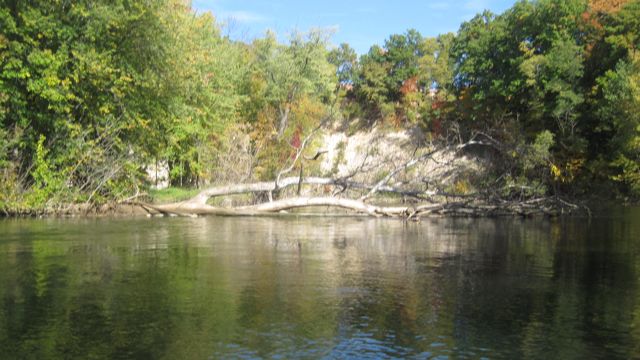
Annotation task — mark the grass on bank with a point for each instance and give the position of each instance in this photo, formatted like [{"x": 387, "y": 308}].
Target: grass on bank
[
  {"x": 176, "y": 194},
  {"x": 171, "y": 194}
]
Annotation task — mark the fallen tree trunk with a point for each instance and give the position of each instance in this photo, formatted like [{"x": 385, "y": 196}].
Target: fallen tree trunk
[
  {"x": 467, "y": 206},
  {"x": 270, "y": 186},
  {"x": 264, "y": 186},
  {"x": 355, "y": 205},
  {"x": 549, "y": 207},
  {"x": 190, "y": 208}
]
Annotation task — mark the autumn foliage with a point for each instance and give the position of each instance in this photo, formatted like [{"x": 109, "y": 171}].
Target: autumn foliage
[{"x": 607, "y": 6}]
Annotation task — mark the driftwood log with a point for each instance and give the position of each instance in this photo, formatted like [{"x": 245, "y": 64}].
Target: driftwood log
[{"x": 467, "y": 206}]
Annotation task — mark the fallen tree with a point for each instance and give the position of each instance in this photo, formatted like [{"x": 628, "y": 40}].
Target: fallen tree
[
  {"x": 423, "y": 202},
  {"x": 549, "y": 206}
]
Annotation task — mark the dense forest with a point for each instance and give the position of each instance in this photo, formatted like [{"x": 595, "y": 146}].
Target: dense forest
[{"x": 94, "y": 92}]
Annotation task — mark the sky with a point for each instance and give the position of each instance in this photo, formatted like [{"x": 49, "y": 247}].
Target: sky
[{"x": 360, "y": 23}]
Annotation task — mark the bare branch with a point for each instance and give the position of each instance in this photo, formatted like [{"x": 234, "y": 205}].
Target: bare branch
[
  {"x": 403, "y": 167},
  {"x": 300, "y": 150}
]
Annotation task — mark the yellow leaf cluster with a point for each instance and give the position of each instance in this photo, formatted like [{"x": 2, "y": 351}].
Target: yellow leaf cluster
[{"x": 567, "y": 172}]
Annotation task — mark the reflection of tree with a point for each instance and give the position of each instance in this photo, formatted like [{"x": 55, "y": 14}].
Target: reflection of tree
[{"x": 295, "y": 287}]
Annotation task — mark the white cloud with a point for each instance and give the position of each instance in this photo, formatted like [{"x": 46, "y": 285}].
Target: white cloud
[
  {"x": 476, "y": 5},
  {"x": 331, "y": 29},
  {"x": 204, "y": 4},
  {"x": 366, "y": 10},
  {"x": 333, "y": 14},
  {"x": 243, "y": 16},
  {"x": 438, "y": 5}
]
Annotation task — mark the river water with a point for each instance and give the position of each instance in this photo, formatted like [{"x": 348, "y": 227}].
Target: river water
[{"x": 320, "y": 287}]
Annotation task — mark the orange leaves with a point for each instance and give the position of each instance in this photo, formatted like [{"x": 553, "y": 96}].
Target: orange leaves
[
  {"x": 410, "y": 85},
  {"x": 606, "y": 6},
  {"x": 598, "y": 7}
]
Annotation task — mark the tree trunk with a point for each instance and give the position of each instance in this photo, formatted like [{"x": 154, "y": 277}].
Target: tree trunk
[
  {"x": 284, "y": 120},
  {"x": 265, "y": 186}
]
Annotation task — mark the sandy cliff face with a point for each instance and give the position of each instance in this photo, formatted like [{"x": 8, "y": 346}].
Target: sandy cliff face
[
  {"x": 371, "y": 155},
  {"x": 364, "y": 157}
]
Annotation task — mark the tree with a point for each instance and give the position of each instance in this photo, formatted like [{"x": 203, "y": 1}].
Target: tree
[
  {"x": 499, "y": 62},
  {"x": 371, "y": 85},
  {"x": 435, "y": 65},
  {"x": 345, "y": 59},
  {"x": 391, "y": 80},
  {"x": 292, "y": 72},
  {"x": 402, "y": 53},
  {"x": 615, "y": 100},
  {"x": 109, "y": 87},
  {"x": 207, "y": 75},
  {"x": 71, "y": 79},
  {"x": 620, "y": 115}
]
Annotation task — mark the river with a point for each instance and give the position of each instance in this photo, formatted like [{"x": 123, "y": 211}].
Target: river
[{"x": 320, "y": 287}]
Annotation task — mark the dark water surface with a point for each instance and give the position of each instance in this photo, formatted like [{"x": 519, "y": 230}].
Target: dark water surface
[{"x": 210, "y": 288}]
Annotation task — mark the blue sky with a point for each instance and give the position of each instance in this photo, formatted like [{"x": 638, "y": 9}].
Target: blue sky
[{"x": 361, "y": 23}]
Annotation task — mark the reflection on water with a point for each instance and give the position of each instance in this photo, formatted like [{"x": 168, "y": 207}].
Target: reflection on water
[{"x": 320, "y": 288}]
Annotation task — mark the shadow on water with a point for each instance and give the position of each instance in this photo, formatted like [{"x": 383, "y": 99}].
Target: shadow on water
[{"x": 320, "y": 288}]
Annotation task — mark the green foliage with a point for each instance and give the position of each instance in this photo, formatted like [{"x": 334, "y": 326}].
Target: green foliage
[
  {"x": 435, "y": 67},
  {"x": 545, "y": 71},
  {"x": 112, "y": 86},
  {"x": 525, "y": 63},
  {"x": 345, "y": 59},
  {"x": 290, "y": 90},
  {"x": 614, "y": 102},
  {"x": 620, "y": 116},
  {"x": 407, "y": 80},
  {"x": 371, "y": 85},
  {"x": 402, "y": 53},
  {"x": 539, "y": 153},
  {"x": 282, "y": 75},
  {"x": 47, "y": 183},
  {"x": 629, "y": 172},
  {"x": 71, "y": 76}
]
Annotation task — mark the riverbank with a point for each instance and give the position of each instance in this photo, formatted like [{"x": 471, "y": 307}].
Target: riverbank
[
  {"x": 322, "y": 206},
  {"x": 378, "y": 172}
]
